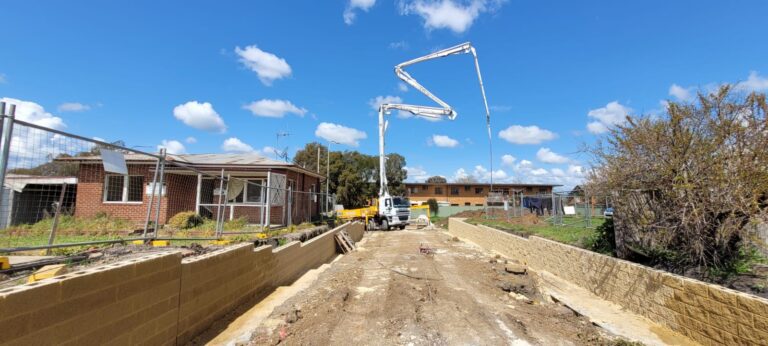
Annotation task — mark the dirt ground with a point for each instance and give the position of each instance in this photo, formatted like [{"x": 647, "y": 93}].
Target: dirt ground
[{"x": 387, "y": 292}]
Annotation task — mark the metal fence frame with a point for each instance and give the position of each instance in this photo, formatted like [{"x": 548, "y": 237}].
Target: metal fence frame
[{"x": 305, "y": 199}]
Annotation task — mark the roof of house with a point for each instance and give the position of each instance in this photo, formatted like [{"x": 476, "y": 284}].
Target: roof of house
[
  {"x": 207, "y": 160},
  {"x": 486, "y": 184},
  {"x": 18, "y": 182}
]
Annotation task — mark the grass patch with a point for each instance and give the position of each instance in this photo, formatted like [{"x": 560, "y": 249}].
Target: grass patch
[{"x": 573, "y": 233}]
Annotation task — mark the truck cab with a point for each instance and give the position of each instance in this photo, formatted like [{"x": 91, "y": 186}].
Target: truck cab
[{"x": 393, "y": 212}]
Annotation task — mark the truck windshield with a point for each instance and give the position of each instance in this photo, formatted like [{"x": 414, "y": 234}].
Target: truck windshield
[{"x": 400, "y": 202}]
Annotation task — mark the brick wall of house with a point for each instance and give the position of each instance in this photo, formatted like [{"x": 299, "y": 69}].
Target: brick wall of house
[
  {"x": 90, "y": 195},
  {"x": 181, "y": 191}
]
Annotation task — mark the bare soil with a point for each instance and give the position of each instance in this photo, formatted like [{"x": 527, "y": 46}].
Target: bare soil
[{"x": 389, "y": 292}]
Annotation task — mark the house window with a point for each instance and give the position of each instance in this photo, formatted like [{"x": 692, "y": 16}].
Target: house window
[
  {"x": 251, "y": 193},
  {"x": 478, "y": 190},
  {"x": 467, "y": 204},
  {"x": 467, "y": 188},
  {"x": 542, "y": 189},
  {"x": 454, "y": 190},
  {"x": 438, "y": 190},
  {"x": 123, "y": 188}
]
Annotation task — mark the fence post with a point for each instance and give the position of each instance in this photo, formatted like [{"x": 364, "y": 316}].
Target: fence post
[
  {"x": 160, "y": 197},
  {"x": 6, "y": 142},
  {"x": 219, "y": 210},
  {"x": 55, "y": 225},
  {"x": 220, "y": 227},
  {"x": 151, "y": 199}
]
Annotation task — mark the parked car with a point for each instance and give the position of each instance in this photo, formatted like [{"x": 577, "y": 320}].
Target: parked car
[{"x": 608, "y": 212}]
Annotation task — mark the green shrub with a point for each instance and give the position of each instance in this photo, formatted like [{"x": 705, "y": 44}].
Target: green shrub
[
  {"x": 185, "y": 220},
  {"x": 604, "y": 239},
  {"x": 433, "y": 206}
]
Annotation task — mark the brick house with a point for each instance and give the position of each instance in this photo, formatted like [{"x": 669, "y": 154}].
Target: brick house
[
  {"x": 470, "y": 194},
  {"x": 192, "y": 183}
]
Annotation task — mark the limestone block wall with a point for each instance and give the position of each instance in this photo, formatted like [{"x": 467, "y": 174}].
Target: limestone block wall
[
  {"x": 130, "y": 302},
  {"x": 709, "y": 314},
  {"x": 156, "y": 299}
]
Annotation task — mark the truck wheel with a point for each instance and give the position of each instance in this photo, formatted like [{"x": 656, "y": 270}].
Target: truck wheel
[
  {"x": 385, "y": 225},
  {"x": 402, "y": 227}
]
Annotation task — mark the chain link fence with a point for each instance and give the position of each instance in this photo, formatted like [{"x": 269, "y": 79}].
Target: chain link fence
[
  {"x": 60, "y": 188},
  {"x": 558, "y": 208}
]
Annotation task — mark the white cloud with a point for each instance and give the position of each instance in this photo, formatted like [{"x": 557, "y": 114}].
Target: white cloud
[
  {"x": 444, "y": 141},
  {"x": 3, "y": 80},
  {"x": 191, "y": 140},
  {"x": 33, "y": 113},
  {"x": 455, "y": 15},
  {"x": 754, "y": 83},
  {"x": 557, "y": 172},
  {"x": 402, "y": 87},
  {"x": 539, "y": 171},
  {"x": 508, "y": 160},
  {"x": 517, "y": 134},
  {"x": 416, "y": 174},
  {"x": 268, "y": 67},
  {"x": 201, "y": 116},
  {"x": 548, "y": 156},
  {"x": 611, "y": 115},
  {"x": 274, "y": 108},
  {"x": 460, "y": 174},
  {"x": 172, "y": 147},
  {"x": 680, "y": 93},
  {"x": 235, "y": 145},
  {"x": 377, "y": 101},
  {"x": 482, "y": 174},
  {"x": 340, "y": 134},
  {"x": 350, "y": 12},
  {"x": 398, "y": 45},
  {"x": 73, "y": 107}
]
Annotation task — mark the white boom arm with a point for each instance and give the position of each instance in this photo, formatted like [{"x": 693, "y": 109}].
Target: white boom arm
[{"x": 444, "y": 111}]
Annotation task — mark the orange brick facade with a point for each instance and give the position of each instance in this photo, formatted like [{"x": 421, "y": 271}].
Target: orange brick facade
[
  {"x": 473, "y": 194},
  {"x": 181, "y": 194}
]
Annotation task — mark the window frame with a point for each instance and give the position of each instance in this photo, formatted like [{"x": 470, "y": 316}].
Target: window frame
[
  {"x": 454, "y": 190},
  {"x": 125, "y": 191},
  {"x": 259, "y": 182}
]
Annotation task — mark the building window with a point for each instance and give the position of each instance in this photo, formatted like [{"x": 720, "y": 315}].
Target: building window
[
  {"x": 123, "y": 188},
  {"x": 529, "y": 189},
  {"x": 467, "y": 204},
  {"x": 454, "y": 205},
  {"x": 251, "y": 193},
  {"x": 478, "y": 204},
  {"x": 454, "y": 190},
  {"x": 438, "y": 190},
  {"x": 542, "y": 189},
  {"x": 467, "y": 188},
  {"x": 478, "y": 190}
]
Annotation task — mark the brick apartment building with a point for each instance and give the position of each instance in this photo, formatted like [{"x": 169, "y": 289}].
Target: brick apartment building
[
  {"x": 185, "y": 189},
  {"x": 469, "y": 194}
]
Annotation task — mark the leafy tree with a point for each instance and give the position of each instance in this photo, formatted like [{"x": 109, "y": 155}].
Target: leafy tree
[
  {"x": 436, "y": 180},
  {"x": 433, "y": 206},
  {"x": 687, "y": 184},
  {"x": 353, "y": 176}
]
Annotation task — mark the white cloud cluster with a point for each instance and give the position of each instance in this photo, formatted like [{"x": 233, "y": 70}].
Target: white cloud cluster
[
  {"x": 546, "y": 155},
  {"x": 754, "y": 83},
  {"x": 3, "y": 80},
  {"x": 350, "y": 13},
  {"x": 443, "y": 141},
  {"x": 680, "y": 93},
  {"x": 402, "y": 87},
  {"x": 482, "y": 174},
  {"x": 398, "y": 45},
  {"x": 455, "y": 15},
  {"x": 517, "y": 134},
  {"x": 606, "y": 117},
  {"x": 507, "y": 160},
  {"x": 340, "y": 134},
  {"x": 416, "y": 174},
  {"x": 235, "y": 145},
  {"x": 73, "y": 107},
  {"x": 191, "y": 140},
  {"x": 274, "y": 108},
  {"x": 377, "y": 101},
  {"x": 172, "y": 147},
  {"x": 34, "y": 113},
  {"x": 269, "y": 67},
  {"x": 201, "y": 116}
]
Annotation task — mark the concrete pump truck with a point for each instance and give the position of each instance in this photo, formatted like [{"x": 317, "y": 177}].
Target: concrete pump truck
[{"x": 394, "y": 211}]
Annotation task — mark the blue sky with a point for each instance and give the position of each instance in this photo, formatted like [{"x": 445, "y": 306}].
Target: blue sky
[{"x": 204, "y": 76}]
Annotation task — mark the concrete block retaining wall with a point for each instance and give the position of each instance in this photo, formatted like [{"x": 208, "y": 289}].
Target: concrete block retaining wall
[
  {"x": 156, "y": 299},
  {"x": 709, "y": 314}
]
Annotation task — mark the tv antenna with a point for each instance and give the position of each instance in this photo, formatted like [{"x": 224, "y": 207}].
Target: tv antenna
[{"x": 281, "y": 154}]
